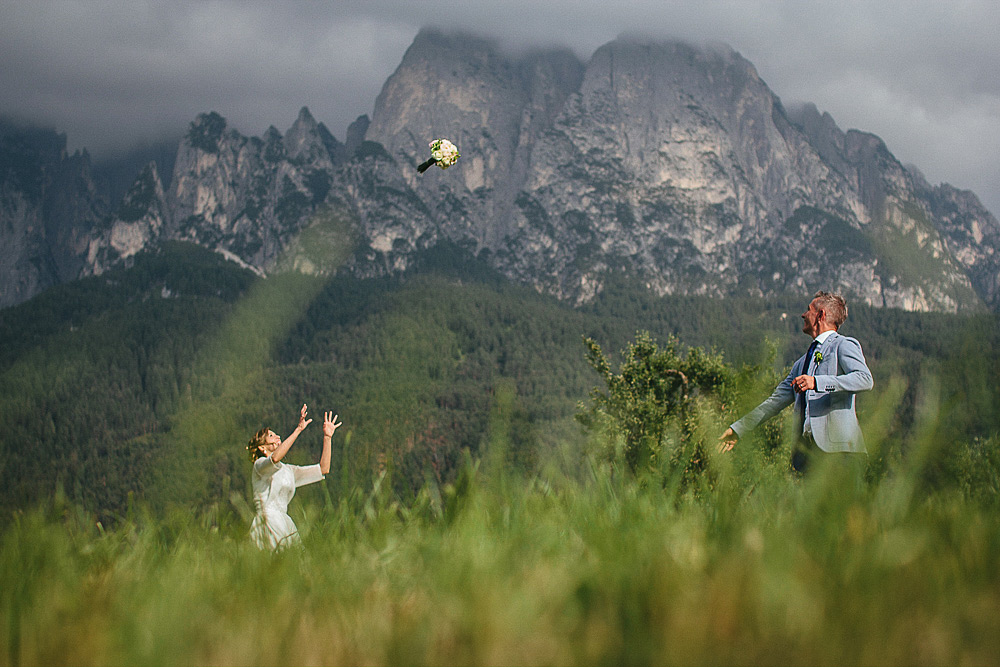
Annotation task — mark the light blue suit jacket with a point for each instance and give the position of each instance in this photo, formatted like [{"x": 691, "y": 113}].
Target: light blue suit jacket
[{"x": 840, "y": 374}]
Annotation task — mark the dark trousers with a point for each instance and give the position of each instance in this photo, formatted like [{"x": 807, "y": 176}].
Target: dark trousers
[{"x": 807, "y": 451}]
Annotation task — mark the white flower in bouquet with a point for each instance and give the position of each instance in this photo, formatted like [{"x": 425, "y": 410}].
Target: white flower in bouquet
[{"x": 443, "y": 154}]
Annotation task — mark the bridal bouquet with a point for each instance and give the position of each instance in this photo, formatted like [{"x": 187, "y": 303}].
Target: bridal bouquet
[{"x": 443, "y": 154}]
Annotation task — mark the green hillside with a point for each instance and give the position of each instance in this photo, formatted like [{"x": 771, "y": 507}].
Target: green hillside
[
  {"x": 148, "y": 381},
  {"x": 468, "y": 518}
]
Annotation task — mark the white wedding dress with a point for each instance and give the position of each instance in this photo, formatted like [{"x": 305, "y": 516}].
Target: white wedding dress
[{"x": 274, "y": 485}]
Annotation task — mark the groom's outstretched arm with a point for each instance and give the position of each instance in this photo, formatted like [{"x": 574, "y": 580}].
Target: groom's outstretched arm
[{"x": 782, "y": 396}]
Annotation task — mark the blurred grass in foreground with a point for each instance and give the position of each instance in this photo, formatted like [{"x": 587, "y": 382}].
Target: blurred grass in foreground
[{"x": 592, "y": 566}]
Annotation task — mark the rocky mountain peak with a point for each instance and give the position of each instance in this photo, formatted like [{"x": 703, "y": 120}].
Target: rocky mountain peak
[
  {"x": 205, "y": 132},
  {"x": 670, "y": 162},
  {"x": 305, "y": 141},
  {"x": 146, "y": 192},
  {"x": 137, "y": 223},
  {"x": 450, "y": 85},
  {"x": 356, "y": 132},
  {"x": 49, "y": 208}
]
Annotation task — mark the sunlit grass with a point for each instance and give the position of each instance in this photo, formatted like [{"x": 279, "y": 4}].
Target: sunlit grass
[{"x": 593, "y": 567}]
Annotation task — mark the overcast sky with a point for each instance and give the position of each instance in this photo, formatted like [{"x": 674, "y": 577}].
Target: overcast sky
[{"x": 923, "y": 75}]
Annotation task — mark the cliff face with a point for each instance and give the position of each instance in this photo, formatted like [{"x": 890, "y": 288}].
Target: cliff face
[
  {"x": 970, "y": 234},
  {"x": 673, "y": 163},
  {"x": 494, "y": 108},
  {"x": 48, "y": 210}
]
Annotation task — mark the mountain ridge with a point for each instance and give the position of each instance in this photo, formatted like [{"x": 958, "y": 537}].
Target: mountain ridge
[{"x": 672, "y": 162}]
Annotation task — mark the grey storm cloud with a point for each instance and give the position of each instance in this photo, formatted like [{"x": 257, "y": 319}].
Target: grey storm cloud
[{"x": 923, "y": 75}]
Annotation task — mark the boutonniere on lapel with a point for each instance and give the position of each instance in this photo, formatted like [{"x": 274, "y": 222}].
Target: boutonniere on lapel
[{"x": 818, "y": 357}]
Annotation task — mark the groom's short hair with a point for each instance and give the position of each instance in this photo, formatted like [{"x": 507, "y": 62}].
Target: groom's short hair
[{"x": 833, "y": 305}]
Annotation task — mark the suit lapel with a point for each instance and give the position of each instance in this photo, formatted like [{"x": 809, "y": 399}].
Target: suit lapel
[{"x": 826, "y": 349}]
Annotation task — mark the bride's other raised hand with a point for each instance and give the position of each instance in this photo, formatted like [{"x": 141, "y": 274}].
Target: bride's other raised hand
[
  {"x": 303, "y": 422},
  {"x": 330, "y": 423}
]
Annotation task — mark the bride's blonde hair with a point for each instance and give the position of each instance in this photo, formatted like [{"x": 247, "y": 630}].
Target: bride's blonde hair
[{"x": 259, "y": 439}]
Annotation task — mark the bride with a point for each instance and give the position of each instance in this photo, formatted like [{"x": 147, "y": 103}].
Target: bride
[{"x": 274, "y": 482}]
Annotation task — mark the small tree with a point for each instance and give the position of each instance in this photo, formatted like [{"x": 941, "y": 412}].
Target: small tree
[{"x": 651, "y": 404}]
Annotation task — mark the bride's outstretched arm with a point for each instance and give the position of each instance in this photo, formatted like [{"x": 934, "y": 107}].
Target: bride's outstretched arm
[
  {"x": 286, "y": 444},
  {"x": 329, "y": 426}
]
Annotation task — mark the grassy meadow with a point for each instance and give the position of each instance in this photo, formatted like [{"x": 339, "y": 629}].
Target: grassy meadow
[
  {"x": 580, "y": 563},
  {"x": 468, "y": 518}
]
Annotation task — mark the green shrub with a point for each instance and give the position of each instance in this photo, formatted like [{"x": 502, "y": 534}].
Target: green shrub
[{"x": 654, "y": 405}]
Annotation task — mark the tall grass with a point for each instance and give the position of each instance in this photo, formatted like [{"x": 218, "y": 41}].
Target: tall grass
[{"x": 575, "y": 565}]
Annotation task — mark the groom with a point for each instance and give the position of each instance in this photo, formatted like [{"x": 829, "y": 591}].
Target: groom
[{"x": 822, "y": 385}]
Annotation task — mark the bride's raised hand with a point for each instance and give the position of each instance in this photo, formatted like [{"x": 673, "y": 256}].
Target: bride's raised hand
[
  {"x": 303, "y": 422},
  {"x": 330, "y": 424}
]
